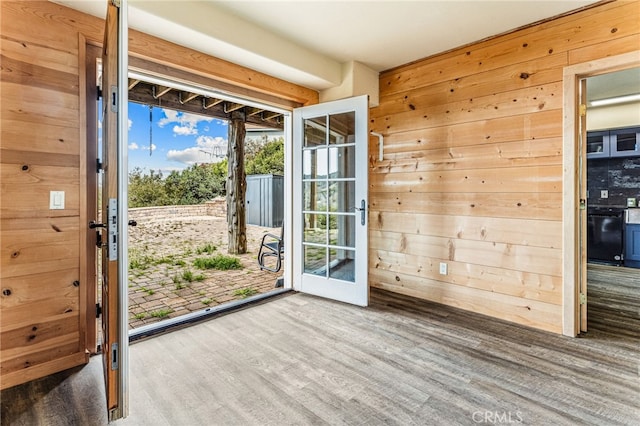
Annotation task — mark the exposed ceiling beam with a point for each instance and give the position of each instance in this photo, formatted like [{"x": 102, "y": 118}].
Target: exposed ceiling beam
[
  {"x": 132, "y": 83},
  {"x": 210, "y": 102},
  {"x": 146, "y": 93},
  {"x": 159, "y": 91},
  {"x": 187, "y": 97}
]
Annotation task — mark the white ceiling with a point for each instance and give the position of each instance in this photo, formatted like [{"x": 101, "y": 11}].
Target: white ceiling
[{"x": 306, "y": 42}]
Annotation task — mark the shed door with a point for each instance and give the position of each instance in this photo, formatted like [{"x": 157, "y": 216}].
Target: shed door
[
  {"x": 330, "y": 143},
  {"x": 114, "y": 210}
]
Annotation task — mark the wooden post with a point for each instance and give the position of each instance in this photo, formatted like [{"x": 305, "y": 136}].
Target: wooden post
[{"x": 236, "y": 185}]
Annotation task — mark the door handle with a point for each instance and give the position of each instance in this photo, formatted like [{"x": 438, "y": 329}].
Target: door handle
[
  {"x": 363, "y": 211},
  {"x": 94, "y": 225}
]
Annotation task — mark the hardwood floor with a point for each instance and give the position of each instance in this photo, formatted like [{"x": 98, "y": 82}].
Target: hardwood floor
[{"x": 303, "y": 360}]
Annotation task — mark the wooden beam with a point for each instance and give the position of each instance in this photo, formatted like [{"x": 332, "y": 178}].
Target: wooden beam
[
  {"x": 230, "y": 107},
  {"x": 269, "y": 115},
  {"x": 210, "y": 102},
  {"x": 159, "y": 91},
  {"x": 133, "y": 82},
  {"x": 143, "y": 93},
  {"x": 185, "y": 97},
  {"x": 254, "y": 111}
]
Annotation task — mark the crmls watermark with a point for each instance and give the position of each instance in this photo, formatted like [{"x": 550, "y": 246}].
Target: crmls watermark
[{"x": 497, "y": 417}]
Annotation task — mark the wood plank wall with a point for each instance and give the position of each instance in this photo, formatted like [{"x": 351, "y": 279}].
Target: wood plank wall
[
  {"x": 472, "y": 168},
  {"x": 43, "y": 314}
]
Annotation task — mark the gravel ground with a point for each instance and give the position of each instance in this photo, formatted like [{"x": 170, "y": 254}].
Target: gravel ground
[{"x": 165, "y": 283}]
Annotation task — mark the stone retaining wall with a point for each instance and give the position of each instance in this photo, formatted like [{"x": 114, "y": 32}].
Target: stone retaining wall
[{"x": 216, "y": 207}]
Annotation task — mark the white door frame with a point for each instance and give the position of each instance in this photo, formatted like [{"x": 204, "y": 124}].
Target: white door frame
[{"x": 571, "y": 185}]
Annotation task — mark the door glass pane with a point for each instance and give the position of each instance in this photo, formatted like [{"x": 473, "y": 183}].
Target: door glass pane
[
  {"x": 342, "y": 162},
  {"x": 342, "y": 196},
  {"x": 315, "y": 260},
  {"x": 342, "y": 230},
  {"x": 342, "y": 128},
  {"x": 314, "y": 163},
  {"x": 315, "y": 228},
  {"x": 342, "y": 265},
  {"x": 314, "y": 196},
  {"x": 315, "y": 131}
]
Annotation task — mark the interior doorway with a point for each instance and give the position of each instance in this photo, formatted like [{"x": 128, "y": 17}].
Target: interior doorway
[
  {"x": 612, "y": 193},
  {"x": 576, "y": 192}
]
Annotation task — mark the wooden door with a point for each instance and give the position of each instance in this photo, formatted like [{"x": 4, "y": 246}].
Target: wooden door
[
  {"x": 114, "y": 217},
  {"x": 330, "y": 172}
]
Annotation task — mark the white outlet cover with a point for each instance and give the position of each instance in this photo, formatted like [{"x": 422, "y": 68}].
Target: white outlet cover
[
  {"x": 56, "y": 200},
  {"x": 604, "y": 193}
]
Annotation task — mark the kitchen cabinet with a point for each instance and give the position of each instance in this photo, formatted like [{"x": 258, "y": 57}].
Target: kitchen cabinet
[
  {"x": 613, "y": 143},
  {"x": 632, "y": 238}
]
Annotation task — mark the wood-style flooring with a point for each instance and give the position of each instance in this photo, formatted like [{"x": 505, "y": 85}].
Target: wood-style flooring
[{"x": 303, "y": 360}]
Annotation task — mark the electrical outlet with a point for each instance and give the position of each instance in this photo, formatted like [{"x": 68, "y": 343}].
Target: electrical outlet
[
  {"x": 604, "y": 193},
  {"x": 443, "y": 268}
]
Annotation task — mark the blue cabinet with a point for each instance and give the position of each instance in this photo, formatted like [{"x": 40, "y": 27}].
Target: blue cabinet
[{"x": 632, "y": 246}]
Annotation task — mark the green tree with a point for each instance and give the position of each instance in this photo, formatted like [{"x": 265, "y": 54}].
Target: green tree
[
  {"x": 146, "y": 189},
  {"x": 267, "y": 160},
  {"x": 196, "y": 184}
]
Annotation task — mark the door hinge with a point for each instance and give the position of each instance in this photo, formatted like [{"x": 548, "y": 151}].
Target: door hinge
[
  {"x": 583, "y": 299},
  {"x": 98, "y": 94},
  {"x": 583, "y": 110},
  {"x": 114, "y": 356},
  {"x": 98, "y": 165},
  {"x": 98, "y": 310}
]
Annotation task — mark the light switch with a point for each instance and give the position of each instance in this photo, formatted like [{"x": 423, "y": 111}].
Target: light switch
[
  {"x": 56, "y": 200},
  {"x": 604, "y": 193},
  {"x": 443, "y": 268}
]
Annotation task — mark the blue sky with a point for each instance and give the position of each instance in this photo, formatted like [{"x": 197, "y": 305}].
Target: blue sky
[{"x": 178, "y": 139}]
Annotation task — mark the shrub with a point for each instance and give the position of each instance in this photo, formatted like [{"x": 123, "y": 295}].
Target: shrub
[{"x": 220, "y": 262}]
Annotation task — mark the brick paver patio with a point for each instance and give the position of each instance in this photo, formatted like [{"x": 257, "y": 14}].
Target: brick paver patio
[{"x": 163, "y": 281}]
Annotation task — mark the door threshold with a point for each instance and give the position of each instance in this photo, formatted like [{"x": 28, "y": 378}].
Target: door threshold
[{"x": 192, "y": 318}]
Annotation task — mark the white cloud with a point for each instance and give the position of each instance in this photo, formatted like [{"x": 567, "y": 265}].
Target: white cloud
[
  {"x": 129, "y": 124},
  {"x": 133, "y": 146},
  {"x": 186, "y": 123},
  {"x": 184, "y": 130},
  {"x": 208, "y": 149}
]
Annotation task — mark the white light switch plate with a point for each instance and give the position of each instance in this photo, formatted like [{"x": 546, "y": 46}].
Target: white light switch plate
[
  {"x": 604, "y": 193},
  {"x": 56, "y": 200},
  {"x": 443, "y": 268}
]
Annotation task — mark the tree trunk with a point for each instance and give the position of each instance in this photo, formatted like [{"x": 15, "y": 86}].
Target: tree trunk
[{"x": 236, "y": 185}]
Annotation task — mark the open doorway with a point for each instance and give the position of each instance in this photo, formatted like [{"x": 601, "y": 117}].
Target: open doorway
[
  {"x": 181, "y": 261},
  {"x": 575, "y": 203},
  {"x": 612, "y": 193},
  {"x": 179, "y": 266}
]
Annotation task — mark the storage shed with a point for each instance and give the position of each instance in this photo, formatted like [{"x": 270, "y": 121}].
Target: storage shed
[{"x": 265, "y": 200}]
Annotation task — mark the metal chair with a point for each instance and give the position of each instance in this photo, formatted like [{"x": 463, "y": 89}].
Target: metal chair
[{"x": 271, "y": 246}]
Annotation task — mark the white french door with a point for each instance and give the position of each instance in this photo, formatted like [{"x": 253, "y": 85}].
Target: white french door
[{"x": 330, "y": 175}]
